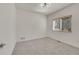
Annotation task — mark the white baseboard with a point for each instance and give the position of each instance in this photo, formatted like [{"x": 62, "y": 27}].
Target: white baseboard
[
  {"x": 66, "y": 42},
  {"x": 32, "y": 38}
]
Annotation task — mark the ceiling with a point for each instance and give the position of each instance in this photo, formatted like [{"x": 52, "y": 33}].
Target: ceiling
[{"x": 35, "y": 7}]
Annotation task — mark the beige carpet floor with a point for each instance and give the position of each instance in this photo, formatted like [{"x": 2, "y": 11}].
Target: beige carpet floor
[{"x": 44, "y": 46}]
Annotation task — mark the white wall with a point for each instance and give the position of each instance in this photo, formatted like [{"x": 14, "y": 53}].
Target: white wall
[
  {"x": 7, "y": 27},
  {"x": 70, "y": 38},
  {"x": 30, "y": 25}
]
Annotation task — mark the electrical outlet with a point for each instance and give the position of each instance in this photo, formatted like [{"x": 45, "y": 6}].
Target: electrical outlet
[
  {"x": 23, "y": 38},
  {"x": 2, "y": 45}
]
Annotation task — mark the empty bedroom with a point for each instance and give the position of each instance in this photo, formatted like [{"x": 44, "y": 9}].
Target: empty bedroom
[{"x": 39, "y": 29}]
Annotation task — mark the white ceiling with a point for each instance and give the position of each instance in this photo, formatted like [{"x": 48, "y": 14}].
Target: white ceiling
[{"x": 35, "y": 7}]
